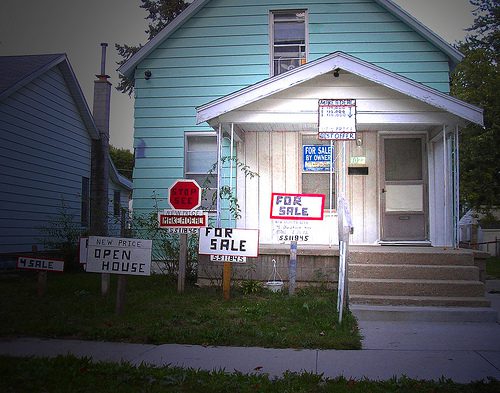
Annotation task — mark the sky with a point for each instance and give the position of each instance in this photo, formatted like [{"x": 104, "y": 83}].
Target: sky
[{"x": 77, "y": 27}]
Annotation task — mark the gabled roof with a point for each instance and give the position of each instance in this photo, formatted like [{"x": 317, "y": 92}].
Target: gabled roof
[
  {"x": 18, "y": 71},
  {"x": 347, "y": 63},
  {"x": 129, "y": 66}
]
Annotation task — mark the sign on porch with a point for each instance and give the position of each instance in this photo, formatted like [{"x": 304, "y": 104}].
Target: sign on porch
[
  {"x": 317, "y": 158},
  {"x": 337, "y": 119},
  {"x": 297, "y": 206}
]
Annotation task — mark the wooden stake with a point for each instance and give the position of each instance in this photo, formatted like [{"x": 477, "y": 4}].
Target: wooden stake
[
  {"x": 120, "y": 294},
  {"x": 292, "y": 268},
  {"x": 181, "y": 276},
  {"x": 41, "y": 277},
  {"x": 226, "y": 280},
  {"x": 105, "y": 283}
]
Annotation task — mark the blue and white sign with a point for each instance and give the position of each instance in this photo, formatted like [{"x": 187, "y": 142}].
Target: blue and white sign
[{"x": 317, "y": 158}]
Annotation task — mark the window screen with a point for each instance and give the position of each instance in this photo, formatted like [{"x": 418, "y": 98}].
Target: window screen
[
  {"x": 289, "y": 40},
  {"x": 200, "y": 159},
  {"x": 318, "y": 181}
]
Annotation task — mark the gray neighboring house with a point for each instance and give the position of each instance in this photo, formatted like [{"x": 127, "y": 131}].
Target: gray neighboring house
[{"x": 46, "y": 135}]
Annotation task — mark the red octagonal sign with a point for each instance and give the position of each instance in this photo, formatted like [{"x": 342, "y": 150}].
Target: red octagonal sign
[{"x": 185, "y": 194}]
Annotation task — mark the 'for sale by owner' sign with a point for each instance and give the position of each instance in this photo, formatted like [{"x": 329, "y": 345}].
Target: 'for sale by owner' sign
[{"x": 119, "y": 255}]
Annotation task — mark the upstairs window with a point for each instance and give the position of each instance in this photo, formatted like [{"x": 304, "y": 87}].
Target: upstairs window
[{"x": 288, "y": 40}]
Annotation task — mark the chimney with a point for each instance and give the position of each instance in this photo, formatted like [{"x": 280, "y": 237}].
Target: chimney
[{"x": 100, "y": 151}]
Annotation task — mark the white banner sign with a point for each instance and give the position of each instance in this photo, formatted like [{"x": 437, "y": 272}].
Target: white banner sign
[
  {"x": 31, "y": 263},
  {"x": 119, "y": 255},
  {"x": 297, "y": 206},
  {"x": 229, "y": 241},
  {"x": 337, "y": 119}
]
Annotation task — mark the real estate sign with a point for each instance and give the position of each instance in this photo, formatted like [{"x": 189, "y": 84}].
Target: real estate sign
[
  {"x": 297, "y": 206},
  {"x": 119, "y": 255},
  {"x": 337, "y": 119},
  {"x": 40, "y": 264},
  {"x": 229, "y": 241}
]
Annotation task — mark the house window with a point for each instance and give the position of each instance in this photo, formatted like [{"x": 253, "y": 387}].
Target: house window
[
  {"x": 200, "y": 165},
  {"x": 317, "y": 156},
  {"x": 288, "y": 40},
  {"x": 85, "y": 200},
  {"x": 116, "y": 203}
]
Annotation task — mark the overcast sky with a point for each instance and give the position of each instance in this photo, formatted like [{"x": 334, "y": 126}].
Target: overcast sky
[{"x": 77, "y": 27}]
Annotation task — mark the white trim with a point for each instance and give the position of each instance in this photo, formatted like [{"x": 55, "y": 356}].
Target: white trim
[
  {"x": 327, "y": 64},
  {"x": 128, "y": 67}
]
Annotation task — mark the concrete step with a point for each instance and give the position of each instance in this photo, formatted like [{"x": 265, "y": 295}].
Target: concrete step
[
  {"x": 454, "y": 288},
  {"x": 435, "y": 301},
  {"x": 424, "y": 272},
  {"x": 415, "y": 256},
  {"x": 423, "y": 314}
]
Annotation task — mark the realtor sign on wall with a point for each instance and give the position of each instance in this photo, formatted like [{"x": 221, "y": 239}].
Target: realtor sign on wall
[
  {"x": 337, "y": 119},
  {"x": 317, "y": 158}
]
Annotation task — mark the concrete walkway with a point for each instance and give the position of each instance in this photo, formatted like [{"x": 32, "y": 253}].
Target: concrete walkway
[{"x": 464, "y": 352}]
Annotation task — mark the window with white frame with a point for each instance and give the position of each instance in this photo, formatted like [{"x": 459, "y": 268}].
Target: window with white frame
[
  {"x": 199, "y": 164},
  {"x": 317, "y": 157},
  {"x": 288, "y": 40}
]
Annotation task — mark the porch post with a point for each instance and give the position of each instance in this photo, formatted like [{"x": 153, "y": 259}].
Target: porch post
[
  {"x": 445, "y": 184},
  {"x": 219, "y": 169},
  {"x": 457, "y": 187},
  {"x": 231, "y": 170}
]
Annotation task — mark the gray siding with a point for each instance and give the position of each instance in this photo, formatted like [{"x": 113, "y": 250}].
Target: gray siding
[{"x": 44, "y": 153}]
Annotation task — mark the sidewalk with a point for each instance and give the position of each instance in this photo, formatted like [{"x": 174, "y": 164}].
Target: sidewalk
[{"x": 464, "y": 352}]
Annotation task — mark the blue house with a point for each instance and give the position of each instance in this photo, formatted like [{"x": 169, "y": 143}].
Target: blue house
[
  {"x": 229, "y": 78},
  {"x": 46, "y": 134}
]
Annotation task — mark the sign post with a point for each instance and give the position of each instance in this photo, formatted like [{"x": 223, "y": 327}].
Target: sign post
[
  {"x": 184, "y": 196},
  {"x": 229, "y": 243},
  {"x": 42, "y": 266}
]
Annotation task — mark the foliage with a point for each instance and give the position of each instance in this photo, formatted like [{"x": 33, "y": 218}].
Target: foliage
[
  {"x": 160, "y": 13},
  {"x": 156, "y": 313},
  {"x": 29, "y": 375},
  {"x": 476, "y": 80},
  {"x": 225, "y": 192},
  {"x": 251, "y": 286},
  {"x": 123, "y": 160},
  {"x": 486, "y": 26},
  {"x": 165, "y": 252},
  {"x": 493, "y": 267},
  {"x": 61, "y": 235}
]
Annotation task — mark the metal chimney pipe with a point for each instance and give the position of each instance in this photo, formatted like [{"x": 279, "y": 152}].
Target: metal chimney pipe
[{"x": 103, "y": 57}]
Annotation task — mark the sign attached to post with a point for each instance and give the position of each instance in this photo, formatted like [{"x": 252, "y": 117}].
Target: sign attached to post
[
  {"x": 337, "y": 119},
  {"x": 40, "y": 264},
  {"x": 119, "y": 255},
  {"x": 182, "y": 219},
  {"x": 229, "y": 241},
  {"x": 185, "y": 194},
  {"x": 297, "y": 206}
]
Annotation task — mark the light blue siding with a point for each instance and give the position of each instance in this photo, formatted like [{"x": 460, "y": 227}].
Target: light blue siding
[
  {"x": 44, "y": 153},
  {"x": 225, "y": 47}
]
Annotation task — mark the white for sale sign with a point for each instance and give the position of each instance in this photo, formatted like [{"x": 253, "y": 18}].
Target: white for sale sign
[
  {"x": 119, "y": 255},
  {"x": 229, "y": 241}
]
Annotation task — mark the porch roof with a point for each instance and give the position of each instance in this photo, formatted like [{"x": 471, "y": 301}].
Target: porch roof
[{"x": 443, "y": 108}]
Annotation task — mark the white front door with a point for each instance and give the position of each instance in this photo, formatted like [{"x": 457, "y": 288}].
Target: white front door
[{"x": 403, "y": 188}]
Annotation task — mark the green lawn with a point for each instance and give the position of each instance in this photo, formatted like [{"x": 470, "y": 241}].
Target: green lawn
[
  {"x": 156, "y": 313},
  {"x": 68, "y": 374},
  {"x": 493, "y": 267}
]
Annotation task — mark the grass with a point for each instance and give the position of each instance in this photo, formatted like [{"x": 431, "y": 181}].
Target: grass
[
  {"x": 493, "y": 267},
  {"x": 156, "y": 313},
  {"x": 25, "y": 375}
]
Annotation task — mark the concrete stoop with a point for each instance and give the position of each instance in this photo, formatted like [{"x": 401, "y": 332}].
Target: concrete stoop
[
  {"x": 419, "y": 284},
  {"x": 365, "y": 312}
]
